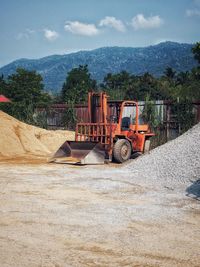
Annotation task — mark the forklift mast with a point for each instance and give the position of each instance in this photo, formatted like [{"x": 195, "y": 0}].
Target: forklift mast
[{"x": 97, "y": 107}]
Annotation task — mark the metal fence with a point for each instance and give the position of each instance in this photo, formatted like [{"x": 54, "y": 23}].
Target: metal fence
[{"x": 168, "y": 125}]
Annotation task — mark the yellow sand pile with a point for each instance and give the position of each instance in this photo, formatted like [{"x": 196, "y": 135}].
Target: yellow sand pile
[{"x": 18, "y": 139}]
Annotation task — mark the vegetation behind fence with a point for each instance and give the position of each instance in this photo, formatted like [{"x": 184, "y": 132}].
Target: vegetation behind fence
[{"x": 26, "y": 91}]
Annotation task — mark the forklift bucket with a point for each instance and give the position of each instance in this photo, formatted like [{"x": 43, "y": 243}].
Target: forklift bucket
[{"x": 80, "y": 153}]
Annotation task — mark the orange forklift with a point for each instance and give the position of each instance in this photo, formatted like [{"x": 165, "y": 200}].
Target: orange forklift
[{"x": 111, "y": 132}]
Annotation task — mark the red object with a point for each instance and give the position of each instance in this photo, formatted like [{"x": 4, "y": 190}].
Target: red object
[
  {"x": 101, "y": 129},
  {"x": 112, "y": 130},
  {"x": 4, "y": 99}
]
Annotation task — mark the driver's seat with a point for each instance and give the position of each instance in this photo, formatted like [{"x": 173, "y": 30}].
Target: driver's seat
[{"x": 125, "y": 123}]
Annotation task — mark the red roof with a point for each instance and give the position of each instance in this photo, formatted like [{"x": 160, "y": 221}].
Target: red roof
[{"x": 4, "y": 99}]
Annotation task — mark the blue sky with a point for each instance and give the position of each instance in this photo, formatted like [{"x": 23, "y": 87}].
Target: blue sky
[{"x": 37, "y": 28}]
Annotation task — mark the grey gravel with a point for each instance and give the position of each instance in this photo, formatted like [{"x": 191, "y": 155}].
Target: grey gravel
[{"x": 174, "y": 163}]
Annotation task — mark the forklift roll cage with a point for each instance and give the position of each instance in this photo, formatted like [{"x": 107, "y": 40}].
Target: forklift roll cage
[{"x": 107, "y": 128}]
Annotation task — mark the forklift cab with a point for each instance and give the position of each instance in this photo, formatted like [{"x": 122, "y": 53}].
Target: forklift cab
[
  {"x": 129, "y": 115},
  {"x": 123, "y": 113},
  {"x": 131, "y": 119}
]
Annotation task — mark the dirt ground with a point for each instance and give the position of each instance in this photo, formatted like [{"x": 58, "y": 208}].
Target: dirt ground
[{"x": 59, "y": 215}]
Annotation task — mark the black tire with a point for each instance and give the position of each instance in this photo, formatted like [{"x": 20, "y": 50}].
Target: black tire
[{"x": 122, "y": 150}]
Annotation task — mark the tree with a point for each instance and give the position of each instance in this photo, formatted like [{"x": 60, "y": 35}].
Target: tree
[
  {"x": 116, "y": 85},
  {"x": 196, "y": 51},
  {"x": 77, "y": 85},
  {"x": 146, "y": 85},
  {"x": 25, "y": 86},
  {"x": 170, "y": 73},
  {"x": 3, "y": 86},
  {"x": 182, "y": 78},
  {"x": 25, "y": 89}
]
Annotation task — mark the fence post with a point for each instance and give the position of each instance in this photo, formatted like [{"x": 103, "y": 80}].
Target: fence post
[
  {"x": 168, "y": 121},
  {"x": 178, "y": 115}
]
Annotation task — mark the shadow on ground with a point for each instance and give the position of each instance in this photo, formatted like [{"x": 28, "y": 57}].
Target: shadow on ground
[
  {"x": 194, "y": 190},
  {"x": 136, "y": 155}
]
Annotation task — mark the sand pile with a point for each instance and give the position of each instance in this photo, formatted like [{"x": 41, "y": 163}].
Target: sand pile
[
  {"x": 176, "y": 162},
  {"x": 18, "y": 139}
]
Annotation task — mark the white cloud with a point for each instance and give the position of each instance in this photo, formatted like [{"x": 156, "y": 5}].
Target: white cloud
[
  {"x": 22, "y": 35},
  {"x": 50, "y": 35},
  {"x": 192, "y": 12},
  {"x": 80, "y": 28},
  {"x": 25, "y": 35},
  {"x": 140, "y": 22},
  {"x": 113, "y": 23},
  {"x": 162, "y": 40},
  {"x": 30, "y": 31}
]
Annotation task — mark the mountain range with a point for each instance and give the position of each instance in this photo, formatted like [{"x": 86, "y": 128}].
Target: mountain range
[{"x": 153, "y": 59}]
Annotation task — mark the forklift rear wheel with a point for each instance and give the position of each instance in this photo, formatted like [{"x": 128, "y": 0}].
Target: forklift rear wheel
[{"x": 122, "y": 150}]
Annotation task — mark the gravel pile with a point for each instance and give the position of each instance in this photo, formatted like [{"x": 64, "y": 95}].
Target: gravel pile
[{"x": 174, "y": 163}]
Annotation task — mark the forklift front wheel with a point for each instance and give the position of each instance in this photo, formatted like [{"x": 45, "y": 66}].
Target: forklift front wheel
[{"x": 122, "y": 150}]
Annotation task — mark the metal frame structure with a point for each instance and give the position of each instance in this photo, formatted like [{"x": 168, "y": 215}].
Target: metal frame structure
[{"x": 102, "y": 129}]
